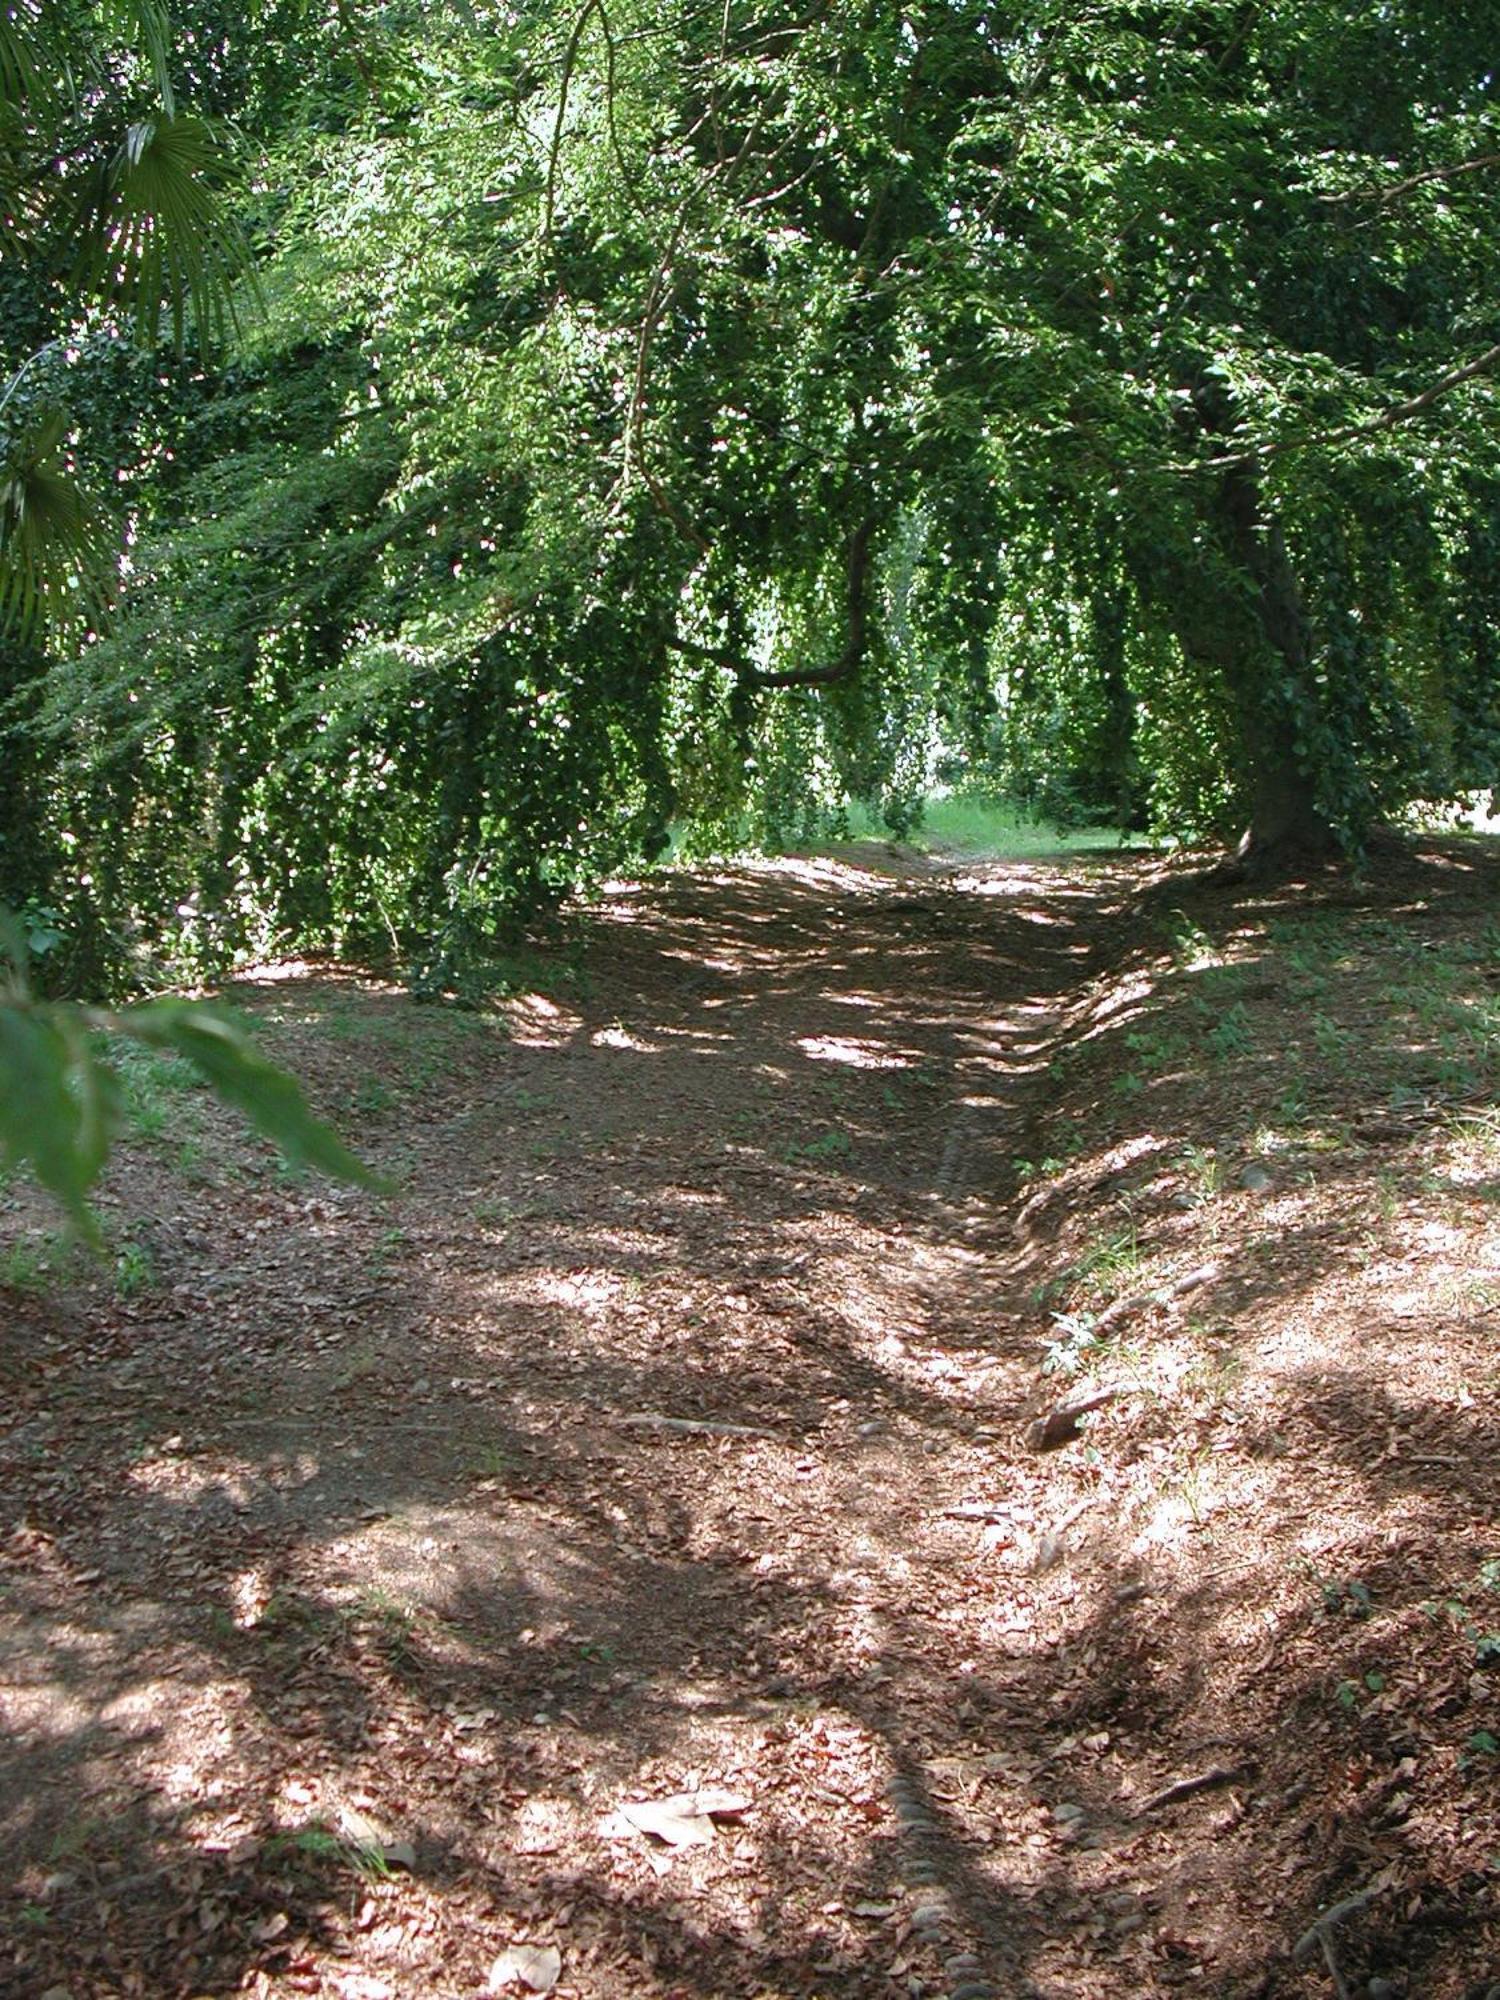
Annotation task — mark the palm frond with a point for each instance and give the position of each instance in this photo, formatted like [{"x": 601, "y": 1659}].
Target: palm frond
[
  {"x": 23, "y": 72},
  {"x": 146, "y": 24},
  {"x": 54, "y": 556},
  {"x": 156, "y": 237}
]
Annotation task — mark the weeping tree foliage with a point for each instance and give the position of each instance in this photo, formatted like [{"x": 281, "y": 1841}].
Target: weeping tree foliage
[{"x": 671, "y": 416}]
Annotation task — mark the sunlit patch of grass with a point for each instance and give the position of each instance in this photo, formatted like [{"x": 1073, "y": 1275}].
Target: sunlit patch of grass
[{"x": 983, "y": 828}]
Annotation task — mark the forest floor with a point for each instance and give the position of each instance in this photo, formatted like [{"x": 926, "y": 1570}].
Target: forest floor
[{"x": 655, "y": 1553}]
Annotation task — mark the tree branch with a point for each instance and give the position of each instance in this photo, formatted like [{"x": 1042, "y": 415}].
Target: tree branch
[
  {"x": 554, "y": 151},
  {"x": 1399, "y": 413},
  {"x": 1399, "y": 188},
  {"x": 845, "y": 667}
]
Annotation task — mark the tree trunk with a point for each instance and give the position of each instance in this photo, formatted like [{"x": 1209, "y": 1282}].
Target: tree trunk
[
  {"x": 1287, "y": 827},
  {"x": 1240, "y": 619}
]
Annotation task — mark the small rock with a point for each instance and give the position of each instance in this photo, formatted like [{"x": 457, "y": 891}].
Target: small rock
[
  {"x": 873, "y": 1429},
  {"x": 1255, "y": 1179},
  {"x": 1067, "y": 1811}
]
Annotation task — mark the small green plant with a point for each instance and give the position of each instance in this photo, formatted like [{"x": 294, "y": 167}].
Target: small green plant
[
  {"x": 1349, "y": 1693},
  {"x": 1330, "y": 1040},
  {"x": 1154, "y": 1048},
  {"x": 150, "y": 1079},
  {"x": 387, "y": 1244},
  {"x": 1461, "y": 1613},
  {"x": 1345, "y": 1599},
  {"x": 317, "y": 1841},
  {"x": 1192, "y": 947},
  {"x": 1193, "y": 1486},
  {"x": 1075, "y": 1346},
  {"x": 1205, "y": 1173},
  {"x": 135, "y": 1268},
  {"x": 357, "y": 1366},
  {"x": 1342, "y": 1597},
  {"x": 1291, "y": 1106},
  {"x": 31, "y": 1263},
  {"x": 828, "y": 1146},
  {"x": 1113, "y": 1257},
  {"x": 1230, "y": 1035},
  {"x": 490, "y": 1461}
]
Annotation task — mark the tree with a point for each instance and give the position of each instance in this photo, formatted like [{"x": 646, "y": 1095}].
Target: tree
[
  {"x": 665, "y": 415},
  {"x": 109, "y": 208}
]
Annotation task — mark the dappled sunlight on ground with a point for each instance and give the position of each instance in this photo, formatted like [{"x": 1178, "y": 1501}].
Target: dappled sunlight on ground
[{"x": 670, "y": 1434}]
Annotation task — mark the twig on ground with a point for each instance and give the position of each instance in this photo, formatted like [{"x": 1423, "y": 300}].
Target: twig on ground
[
  {"x": 1320, "y": 1932},
  {"x": 649, "y": 1420},
  {"x": 1186, "y": 1788}
]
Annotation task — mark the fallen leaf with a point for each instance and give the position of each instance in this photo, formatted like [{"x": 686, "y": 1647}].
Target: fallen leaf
[
  {"x": 671, "y": 1820},
  {"x": 362, "y": 1986},
  {"x": 536, "y": 1967},
  {"x": 717, "y": 1804}
]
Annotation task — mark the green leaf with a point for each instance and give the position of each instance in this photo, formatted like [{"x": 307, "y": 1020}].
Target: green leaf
[
  {"x": 240, "y": 1075},
  {"x": 59, "y": 1104}
]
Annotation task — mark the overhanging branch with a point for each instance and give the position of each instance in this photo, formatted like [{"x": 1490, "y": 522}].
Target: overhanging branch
[
  {"x": 1399, "y": 413},
  {"x": 857, "y": 572},
  {"x": 1397, "y": 189}
]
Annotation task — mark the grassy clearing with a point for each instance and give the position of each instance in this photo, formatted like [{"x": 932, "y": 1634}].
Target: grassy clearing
[{"x": 986, "y": 829}]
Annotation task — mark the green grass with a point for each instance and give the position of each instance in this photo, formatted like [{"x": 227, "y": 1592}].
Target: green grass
[
  {"x": 988, "y": 829},
  {"x": 33, "y": 1263},
  {"x": 152, "y": 1083}
]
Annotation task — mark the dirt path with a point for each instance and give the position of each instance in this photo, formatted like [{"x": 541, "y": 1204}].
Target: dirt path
[{"x": 664, "y": 1440}]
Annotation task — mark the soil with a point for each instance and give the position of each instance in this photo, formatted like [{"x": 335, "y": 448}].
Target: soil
[{"x": 661, "y": 1548}]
